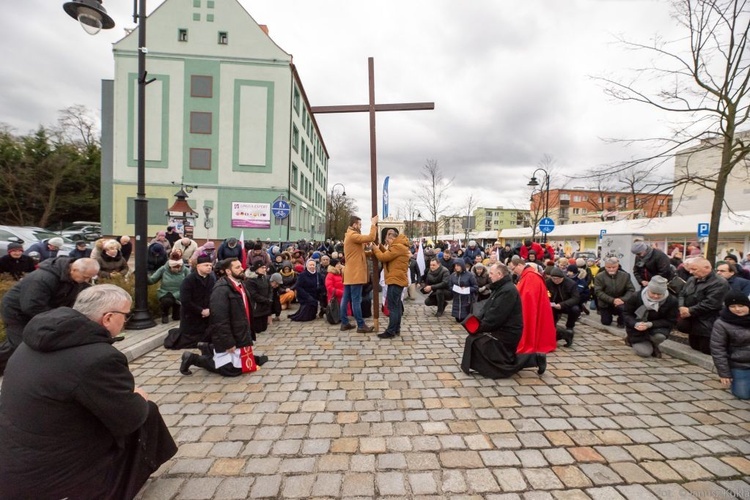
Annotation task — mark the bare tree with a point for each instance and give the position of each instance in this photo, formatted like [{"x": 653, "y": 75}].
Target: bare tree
[
  {"x": 709, "y": 86},
  {"x": 338, "y": 210},
  {"x": 77, "y": 125},
  {"x": 410, "y": 212},
  {"x": 432, "y": 192}
]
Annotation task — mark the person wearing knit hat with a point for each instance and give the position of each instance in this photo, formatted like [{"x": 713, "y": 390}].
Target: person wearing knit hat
[
  {"x": 700, "y": 302},
  {"x": 649, "y": 318},
  {"x": 286, "y": 290},
  {"x": 15, "y": 263},
  {"x": 650, "y": 262},
  {"x": 47, "y": 249},
  {"x": 171, "y": 275},
  {"x": 730, "y": 344},
  {"x": 564, "y": 299}
]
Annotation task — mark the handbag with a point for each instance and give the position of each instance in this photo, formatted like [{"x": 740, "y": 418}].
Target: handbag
[
  {"x": 675, "y": 285},
  {"x": 333, "y": 312}
]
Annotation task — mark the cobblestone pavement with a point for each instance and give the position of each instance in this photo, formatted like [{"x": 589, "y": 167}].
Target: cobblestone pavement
[{"x": 340, "y": 414}]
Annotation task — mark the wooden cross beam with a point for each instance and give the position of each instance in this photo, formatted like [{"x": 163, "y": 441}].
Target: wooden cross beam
[{"x": 372, "y": 108}]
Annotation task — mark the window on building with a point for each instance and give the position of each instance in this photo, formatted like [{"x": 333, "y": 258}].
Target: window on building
[
  {"x": 223, "y": 38},
  {"x": 622, "y": 201},
  {"x": 576, "y": 197},
  {"x": 610, "y": 199},
  {"x": 295, "y": 138},
  {"x": 200, "y": 159},
  {"x": 576, "y": 211},
  {"x": 661, "y": 202},
  {"x": 296, "y": 101},
  {"x": 564, "y": 196},
  {"x": 292, "y": 215},
  {"x": 295, "y": 175},
  {"x": 200, "y": 122},
  {"x": 182, "y": 35},
  {"x": 201, "y": 86}
]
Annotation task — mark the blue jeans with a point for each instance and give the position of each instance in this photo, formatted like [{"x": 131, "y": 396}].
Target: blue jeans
[
  {"x": 395, "y": 308},
  {"x": 741, "y": 383},
  {"x": 353, "y": 294}
]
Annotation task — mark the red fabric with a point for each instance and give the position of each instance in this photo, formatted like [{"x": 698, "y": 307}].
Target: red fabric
[
  {"x": 471, "y": 324},
  {"x": 524, "y": 251},
  {"x": 539, "y": 333},
  {"x": 248, "y": 359},
  {"x": 335, "y": 286}
]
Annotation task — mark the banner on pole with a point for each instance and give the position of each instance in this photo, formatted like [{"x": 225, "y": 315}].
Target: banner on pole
[{"x": 385, "y": 197}]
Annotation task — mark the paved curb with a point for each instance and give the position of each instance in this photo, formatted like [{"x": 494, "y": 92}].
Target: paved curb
[
  {"x": 140, "y": 342},
  {"x": 674, "y": 349}
]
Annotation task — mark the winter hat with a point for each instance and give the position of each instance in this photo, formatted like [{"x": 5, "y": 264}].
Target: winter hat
[
  {"x": 14, "y": 246},
  {"x": 556, "y": 272},
  {"x": 286, "y": 263},
  {"x": 334, "y": 255},
  {"x": 56, "y": 242},
  {"x": 275, "y": 250},
  {"x": 472, "y": 243},
  {"x": 315, "y": 256},
  {"x": 299, "y": 268},
  {"x": 334, "y": 262},
  {"x": 161, "y": 233},
  {"x": 573, "y": 269},
  {"x": 231, "y": 242},
  {"x": 257, "y": 265},
  {"x": 658, "y": 284},
  {"x": 204, "y": 259},
  {"x": 209, "y": 245},
  {"x": 258, "y": 246},
  {"x": 174, "y": 263},
  {"x": 79, "y": 243},
  {"x": 638, "y": 247},
  {"x": 735, "y": 297},
  {"x": 732, "y": 257},
  {"x": 276, "y": 278}
]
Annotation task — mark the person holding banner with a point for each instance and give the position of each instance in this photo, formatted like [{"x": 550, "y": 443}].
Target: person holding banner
[{"x": 231, "y": 353}]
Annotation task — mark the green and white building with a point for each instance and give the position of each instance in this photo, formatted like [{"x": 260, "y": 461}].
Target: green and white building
[{"x": 226, "y": 112}]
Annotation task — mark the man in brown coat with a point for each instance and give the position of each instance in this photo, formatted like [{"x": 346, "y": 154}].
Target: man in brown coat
[
  {"x": 355, "y": 271},
  {"x": 396, "y": 262}
]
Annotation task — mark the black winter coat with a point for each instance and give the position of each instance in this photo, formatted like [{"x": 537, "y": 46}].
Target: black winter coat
[
  {"x": 654, "y": 263},
  {"x": 438, "y": 279},
  {"x": 228, "y": 323},
  {"x": 259, "y": 289},
  {"x": 730, "y": 343},
  {"x": 309, "y": 288},
  {"x": 665, "y": 318},
  {"x": 565, "y": 294},
  {"x": 704, "y": 299},
  {"x": 502, "y": 315},
  {"x": 67, "y": 401},
  {"x": 195, "y": 295},
  {"x": 17, "y": 267},
  {"x": 608, "y": 288},
  {"x": 49, "y": 287}
]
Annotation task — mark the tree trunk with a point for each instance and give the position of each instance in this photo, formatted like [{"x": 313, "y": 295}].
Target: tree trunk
[{"x": 718, "y": 201}]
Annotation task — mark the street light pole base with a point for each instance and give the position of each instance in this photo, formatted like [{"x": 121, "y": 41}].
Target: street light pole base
[{"x": 141, "y": 320}]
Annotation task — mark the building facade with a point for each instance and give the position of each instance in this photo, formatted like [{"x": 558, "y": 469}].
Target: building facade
[
  {"x": 497, "y": 218},
  {"x": 703, "y": 161},
  {"x": 577, "y": 206},
  {"x": 226, "y": 113}
]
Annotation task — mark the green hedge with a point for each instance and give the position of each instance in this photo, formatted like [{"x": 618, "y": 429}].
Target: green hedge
[{"x": 6, "y": 282}]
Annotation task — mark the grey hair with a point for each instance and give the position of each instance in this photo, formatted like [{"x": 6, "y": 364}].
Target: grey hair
[
  {"x": 112, "y": 243},
  {"x": 97, "y": 300},
  {"x": 85, "y": 265},
  {"x": 504, "y": 271},
  {"x": 580, "y": 262},
  {"x": 517, "y": 260},
  {"x": 612, "y": 260}
]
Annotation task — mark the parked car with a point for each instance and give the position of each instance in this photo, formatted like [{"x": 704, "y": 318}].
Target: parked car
[
  {"x": 586, "y": 255},
  {"x": 81, "y": 230},
  {"x": 27, "y": 236}
]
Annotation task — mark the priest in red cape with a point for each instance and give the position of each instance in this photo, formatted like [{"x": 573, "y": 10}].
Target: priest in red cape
[{"x": 539, "y": 332}]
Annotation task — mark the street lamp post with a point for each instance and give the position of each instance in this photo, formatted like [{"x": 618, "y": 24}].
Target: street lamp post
[
  {"x": 93, "y": 17},
  {"x": 545, "y": 185}
]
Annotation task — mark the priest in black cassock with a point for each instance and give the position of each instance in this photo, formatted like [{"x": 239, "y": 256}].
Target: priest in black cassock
[{"x": 491, "y": 348}]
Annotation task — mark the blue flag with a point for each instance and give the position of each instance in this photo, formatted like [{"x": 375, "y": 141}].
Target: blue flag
[{"x": 385, "y": 197}]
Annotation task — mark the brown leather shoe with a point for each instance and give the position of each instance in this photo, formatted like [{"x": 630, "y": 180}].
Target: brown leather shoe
[
  {"x": 366, "y": 329},
  {"x": 348, "y": 326}
]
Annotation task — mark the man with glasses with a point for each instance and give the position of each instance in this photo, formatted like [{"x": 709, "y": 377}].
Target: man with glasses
[
  {"x": 728, "y": 271},
  {"x": 72, "y": 422},
  {"x": 55, "y": 284}
]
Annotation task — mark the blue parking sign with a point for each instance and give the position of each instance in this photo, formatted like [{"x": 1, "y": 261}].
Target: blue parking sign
[{"x": 703, "y": 230}]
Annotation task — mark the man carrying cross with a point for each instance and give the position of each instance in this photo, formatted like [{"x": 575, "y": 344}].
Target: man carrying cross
[{"x": 355, "y": 272}]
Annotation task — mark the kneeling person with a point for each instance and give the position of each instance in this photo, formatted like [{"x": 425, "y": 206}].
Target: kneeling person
[
  {"x": 72, "y": 422},
  {"x": 564, "y": 298},
  {"x": 492, "y": 350},
  {"x": 649, "y": 317},
  {"x": 437, "y": 284}
]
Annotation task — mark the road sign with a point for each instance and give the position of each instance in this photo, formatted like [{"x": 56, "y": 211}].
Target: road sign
[
  {"x": 546, "y": 225},
  {"x": 280, "y": 209},
  {"x": 703, "y": 230},
  {"x": 602, "y": 232}
]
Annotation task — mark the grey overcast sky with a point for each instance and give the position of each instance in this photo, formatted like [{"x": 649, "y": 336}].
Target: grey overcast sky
[{"x": 511, "y": 81}]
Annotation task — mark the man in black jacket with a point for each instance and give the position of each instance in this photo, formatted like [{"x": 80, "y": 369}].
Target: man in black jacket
[
  {"x": 612, "y": 288},
  {"x": 56, "y": 283},
  {"x": 437, "y": 284},
  {"x": 72, "y": 422},
  {"x": 16, "y": 263},
  {"x": 564, "y": 298},
  {"x": 700, "y": 301},
  {"x": 229, "y": 325},
  {"x": 491, "y": 350},
  {"x": 195, "y": 297},
  {"x": 650, "y": 262}
]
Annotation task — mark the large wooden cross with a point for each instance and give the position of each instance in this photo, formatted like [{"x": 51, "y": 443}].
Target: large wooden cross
[{"x": 372, "y": 108}]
